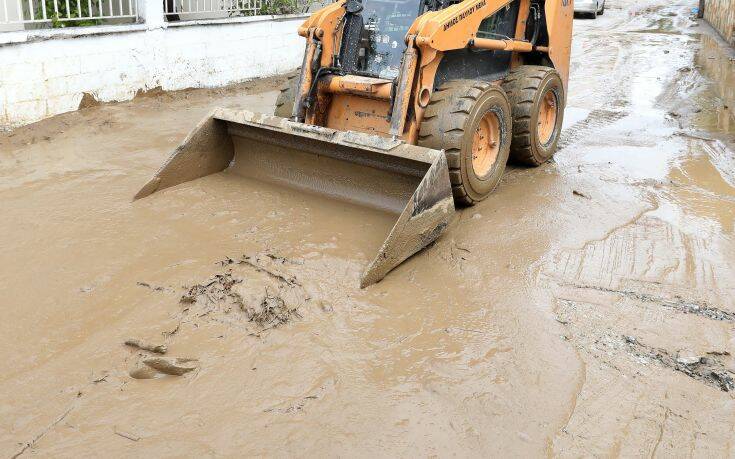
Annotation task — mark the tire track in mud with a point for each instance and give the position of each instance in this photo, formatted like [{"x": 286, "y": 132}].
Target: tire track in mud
[
  {"x": 30, "y": 444},
  {"x": 596, "y": 120},
  {"x": 612, "y": 103},
  {"x": 643, "y": 260},
  {"x": 686, "y": 81},
  {"x": 614, "y": 257},
  {"x": 648, "y": 276},
  {"x": 623, "y": 369},
  {"x": 598, "y": 307}
]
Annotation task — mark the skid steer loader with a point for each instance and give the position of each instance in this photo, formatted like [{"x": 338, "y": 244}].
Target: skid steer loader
[{"x": 407, "y": 106}]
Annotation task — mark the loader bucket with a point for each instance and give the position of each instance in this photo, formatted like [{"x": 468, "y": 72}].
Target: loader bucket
[{"x": 389, "y": 175}]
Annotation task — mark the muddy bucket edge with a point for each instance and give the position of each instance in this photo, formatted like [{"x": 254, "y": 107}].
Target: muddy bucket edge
[{"x": 209, "y": 149}]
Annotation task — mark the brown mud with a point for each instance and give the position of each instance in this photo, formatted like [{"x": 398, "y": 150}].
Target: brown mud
[{"x": 586, "y": 308}]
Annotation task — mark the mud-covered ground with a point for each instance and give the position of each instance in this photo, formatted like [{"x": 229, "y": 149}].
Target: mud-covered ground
[{"x": 586, "y": 308}]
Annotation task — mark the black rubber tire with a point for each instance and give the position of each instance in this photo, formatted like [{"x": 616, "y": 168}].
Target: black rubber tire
[
  {"x": 449, "y": 123},
  {"x": 526, "y": 87},
  {"x": 285, "y": 101}
]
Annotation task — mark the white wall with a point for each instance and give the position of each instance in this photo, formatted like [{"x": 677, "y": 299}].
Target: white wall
[
  {"x": 12, "y": 14},
  {"x": 46, "y": 72}
]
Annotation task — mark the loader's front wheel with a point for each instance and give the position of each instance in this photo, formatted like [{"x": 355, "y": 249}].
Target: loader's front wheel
[
  {"x": 285, "y": 101},
  {"x": 536, "y": 96},
  {"x": 471, "y": 122}
]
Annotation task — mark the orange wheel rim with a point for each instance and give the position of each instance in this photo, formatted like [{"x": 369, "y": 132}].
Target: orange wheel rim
[
  {"x": 547, "y": 118},
  {"x": 486, "y": 144}
]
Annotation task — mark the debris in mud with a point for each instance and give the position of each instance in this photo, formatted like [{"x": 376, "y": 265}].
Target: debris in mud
[
  {"x": 719, "y": 353},
  {"x": 158, "y": 349},
  {"x": 271, "y": 312},
  {"x": 463, "y": 249},
  {"x": 283, "y": 260},
  {"x": 216, "y": 290},
  {"x": 88, "y": 100},
  {"x": 253, "y": 262},
  {"x": 127, "y": 435},
  {"x": 171, "y": 366},
  {"x": 457, "y": 252},
  {"x": 28, "y": 445},
  {"x": 677, "y": 303},
  {"x": 155, "y": 288},
  {"x": 102, "y": 378},
  {"x": 299, "y": 405},
  {"x": 168, "y": 334},
  {"x": 581, "y": 130},
  {"x": 217, "y": 295},
  {"x": 708, "y": 368},
  {"x": 692, "y": 135},
  {"x": 293, "y": 408},
  {"x": 325, "y": 307},
  {"x": 580, "y": 194},
  {"x": 156, "y": 367},
  {"x": 460, "y": 329}
]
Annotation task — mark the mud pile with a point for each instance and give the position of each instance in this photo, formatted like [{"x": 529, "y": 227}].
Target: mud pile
[{"x": 219, "y": 296}]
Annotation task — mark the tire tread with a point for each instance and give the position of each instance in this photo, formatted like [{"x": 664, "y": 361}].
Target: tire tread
[
  {"x": 443, "y": 124},
  {"x": 521, "y": 85}
]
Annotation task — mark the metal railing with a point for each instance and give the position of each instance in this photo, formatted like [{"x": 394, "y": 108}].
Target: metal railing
[
  {"x": 19, "y": 14},
  {"x": 209, "y": 8},
  {"x": 71, "y": 12}
]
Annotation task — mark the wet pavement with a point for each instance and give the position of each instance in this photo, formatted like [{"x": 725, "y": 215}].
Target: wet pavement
[{"x": 586, "y": 308}]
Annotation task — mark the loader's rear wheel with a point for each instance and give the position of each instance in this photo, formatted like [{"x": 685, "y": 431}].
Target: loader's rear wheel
[
  {"x": 471, "y": 121},
  {"x": 285, "y": 101},
  {"x": 536, "y": 96}
]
